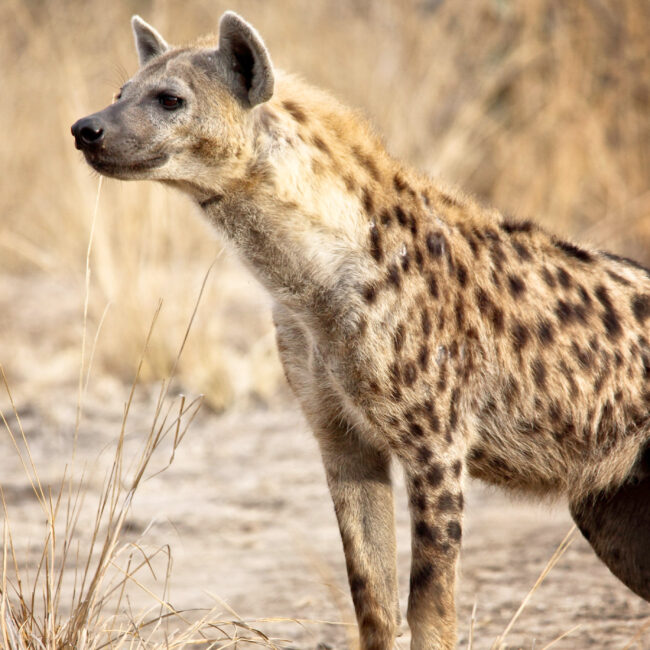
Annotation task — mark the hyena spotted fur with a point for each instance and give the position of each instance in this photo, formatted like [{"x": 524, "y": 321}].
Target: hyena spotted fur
[{"x": 412, "y": 322}]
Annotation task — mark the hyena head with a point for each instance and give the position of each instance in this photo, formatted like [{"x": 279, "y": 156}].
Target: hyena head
[{"x": 185, "y": 117}]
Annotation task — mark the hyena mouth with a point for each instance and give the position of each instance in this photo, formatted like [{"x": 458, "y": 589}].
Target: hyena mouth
[{"x": 120, "y": 168}]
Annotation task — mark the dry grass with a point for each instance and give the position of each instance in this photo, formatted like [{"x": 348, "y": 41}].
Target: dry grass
[
  {"x": 541, "y": 108},
  {"x": 77, "y": 596}
]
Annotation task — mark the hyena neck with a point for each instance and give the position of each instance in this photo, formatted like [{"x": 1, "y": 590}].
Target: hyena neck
[
  {"x": 323, "y": 214},
  {"x": 299, "y": 215}
]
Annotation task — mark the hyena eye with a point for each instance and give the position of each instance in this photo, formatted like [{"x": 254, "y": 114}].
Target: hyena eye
[{"x": 169, "y": 102}]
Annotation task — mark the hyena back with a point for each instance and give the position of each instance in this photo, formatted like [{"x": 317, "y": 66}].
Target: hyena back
[{"x": 411, "y": 322}]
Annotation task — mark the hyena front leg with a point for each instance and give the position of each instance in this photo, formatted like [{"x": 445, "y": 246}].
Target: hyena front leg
[
  {"x": 436, "y": 506},
  {"x": 358, "y": 476}
]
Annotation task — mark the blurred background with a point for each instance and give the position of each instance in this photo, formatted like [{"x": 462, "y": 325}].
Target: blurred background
[
  {"x": 538, "y": 107},
  {"x": 541, "y": 108}
]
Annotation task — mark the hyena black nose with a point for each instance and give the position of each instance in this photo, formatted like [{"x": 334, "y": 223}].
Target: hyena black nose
[{"x": 88, "y": 133}]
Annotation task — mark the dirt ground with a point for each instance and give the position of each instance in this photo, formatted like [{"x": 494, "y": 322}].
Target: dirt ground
[{"x": 245, "y": 511}]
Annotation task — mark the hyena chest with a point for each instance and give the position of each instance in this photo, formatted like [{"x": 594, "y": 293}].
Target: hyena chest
[{"x": 409, "y": 380}]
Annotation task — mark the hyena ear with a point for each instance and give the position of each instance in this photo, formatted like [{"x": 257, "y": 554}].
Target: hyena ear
[
  {"x": 248, "y": 57},
  {"x": 148, "y": 41}
]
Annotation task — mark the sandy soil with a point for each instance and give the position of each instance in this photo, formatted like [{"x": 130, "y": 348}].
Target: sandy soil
[{"x": 245, "y": 510}]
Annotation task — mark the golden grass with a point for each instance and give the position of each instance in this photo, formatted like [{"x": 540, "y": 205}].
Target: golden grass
[
  {"x": 541, "y": 108},
  {"x": 77, "y": 596}
]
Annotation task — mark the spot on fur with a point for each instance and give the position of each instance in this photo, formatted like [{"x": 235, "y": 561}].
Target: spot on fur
[
  {"x": 454, "y": 530},
  {"x": 539, "y": 373},
  {"x": 522, "y": 250},
  {"x": 520, "y": 335},
  {"x": 375, "y": 243},
  {"x": 573, "y": 251},
  {"x": 295, "y": 110},
  {"x": 319, "y": 143},
  {"x": 564, "y": 278},
  {"x": 461, "y": 274},
  {"x": 641, "y": 307},
  {"x": 366, "y": 161},
  {"x": 394, "y": 277},
  {"x": 427, "y": 533},
  {"x": 547, "y": 276},
  {"x": 511, "y": 226},
  {"x": 399, "y": 183},
  {"x": 610, "y": 317},
  {"x": 516, "y": 286},
  {"x": 436, "y": 244},
  {"x": 434, "y": 475},
  {"x": 368, "y": 204},
  {"x": 400, "y": 215},
  {"x": 370, "y": 293},
  {"x": 545, "y": 332}
]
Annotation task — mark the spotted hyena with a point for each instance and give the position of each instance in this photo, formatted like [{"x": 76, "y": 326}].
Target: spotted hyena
[{"x": 411, "y": 322}]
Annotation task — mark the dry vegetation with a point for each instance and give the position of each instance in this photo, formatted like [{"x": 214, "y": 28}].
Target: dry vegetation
[
  {"x": 541, "y": 108},
  {"x": 77, "y": 595}
]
